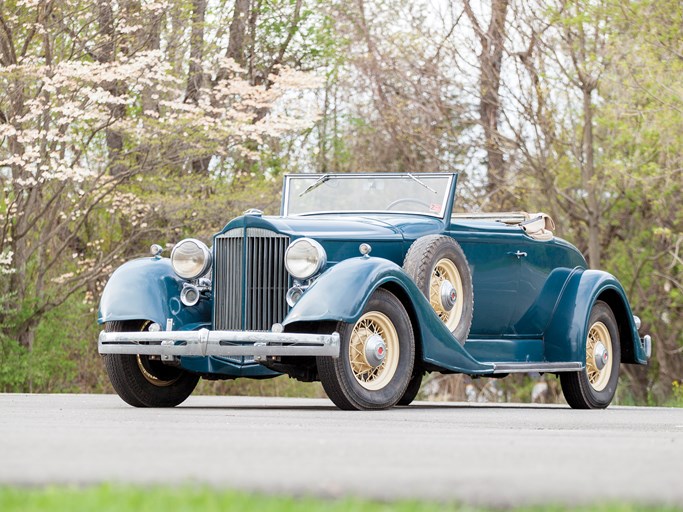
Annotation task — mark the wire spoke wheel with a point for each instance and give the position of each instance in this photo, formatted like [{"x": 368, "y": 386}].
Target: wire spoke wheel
[
  {"x": 156, "y": 373},
  {"x": 598, "y": 349},
  {"x": 376, "y": 356},
  {"x": 372, "y": 324},
  {"x": 594, "y": 386},
  {"x": 446, "y": 272}
]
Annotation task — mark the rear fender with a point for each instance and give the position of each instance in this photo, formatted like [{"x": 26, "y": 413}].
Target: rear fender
[
  {"x": 149, "y": 289},
  {"x": 565, "y": 337},
  {"x": 341, "y": 293}
]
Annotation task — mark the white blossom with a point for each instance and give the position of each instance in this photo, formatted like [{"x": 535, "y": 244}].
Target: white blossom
[{"x": 6, "y": 262}]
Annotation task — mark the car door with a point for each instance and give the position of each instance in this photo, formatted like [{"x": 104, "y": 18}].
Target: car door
[
  {"x": 535, "y": 264},
  {"x": 495, "y": 280}
]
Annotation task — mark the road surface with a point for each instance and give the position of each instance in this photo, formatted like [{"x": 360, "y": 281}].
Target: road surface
[{"x": 478, "y": 454}]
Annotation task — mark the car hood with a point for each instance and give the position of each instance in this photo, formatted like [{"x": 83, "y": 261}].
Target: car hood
[{"x": 345, "y": 226}]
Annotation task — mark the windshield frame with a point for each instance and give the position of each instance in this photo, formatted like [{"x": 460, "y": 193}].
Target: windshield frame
[{"x": 446, "y": 206}]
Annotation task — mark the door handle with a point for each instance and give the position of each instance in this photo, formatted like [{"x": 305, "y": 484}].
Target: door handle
[{"x": 519, "y": 254}]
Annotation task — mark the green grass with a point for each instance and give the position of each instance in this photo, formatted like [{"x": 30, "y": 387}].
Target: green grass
[{"x": 106, "y": 498}]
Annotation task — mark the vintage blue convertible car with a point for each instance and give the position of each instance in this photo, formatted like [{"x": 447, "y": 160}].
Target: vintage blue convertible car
[{"x": 366, "y": 282}]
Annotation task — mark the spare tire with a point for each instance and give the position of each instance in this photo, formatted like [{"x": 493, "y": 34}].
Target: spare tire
[{"x": 439, "y": 268}]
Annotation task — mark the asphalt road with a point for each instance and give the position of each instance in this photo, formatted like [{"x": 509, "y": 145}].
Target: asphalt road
[{"x": 479, "y": 454}]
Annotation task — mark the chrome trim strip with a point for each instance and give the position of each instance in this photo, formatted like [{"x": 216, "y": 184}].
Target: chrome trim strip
[
  {"x": 646, "y": 342},
  {"x": 218, "y": 343},
  {"x": 232, "y": 233},
  {"x": 365, "y": 212},
  {"x": 536, "y": 367}
]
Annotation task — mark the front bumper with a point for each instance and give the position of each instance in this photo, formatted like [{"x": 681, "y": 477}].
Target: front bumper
[
  {"x": 646, "y": 344},
  {"x": 218, "y": 343}
]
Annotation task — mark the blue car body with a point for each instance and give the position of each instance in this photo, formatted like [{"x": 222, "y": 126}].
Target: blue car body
[{"x": 532, "y": 298}]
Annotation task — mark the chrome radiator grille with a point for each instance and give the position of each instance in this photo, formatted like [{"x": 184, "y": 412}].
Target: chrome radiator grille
[{"x": 250, "y": 279}]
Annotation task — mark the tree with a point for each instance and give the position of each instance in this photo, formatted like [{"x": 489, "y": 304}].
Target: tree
[
  {"x": 389, "y": 105},
  {"x": 91, "y": 105},
  {"x": 492, "y": 41},
  {"x": 600, "y": 148}
]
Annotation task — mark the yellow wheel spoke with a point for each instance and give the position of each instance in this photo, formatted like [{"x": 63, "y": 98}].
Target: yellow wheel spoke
[
  {"x": 372, "y": 324},
  {"x": 445, "y": 270},
  {"x": 598, "y": 336}
]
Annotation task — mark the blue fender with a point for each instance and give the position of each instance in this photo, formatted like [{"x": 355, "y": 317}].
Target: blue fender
[
  {"x": 149, "y": 289},
  {"x": 565, "y": 336},
  {"x": 341, "y": 293}
]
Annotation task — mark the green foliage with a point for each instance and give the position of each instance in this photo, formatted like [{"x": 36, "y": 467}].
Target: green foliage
[
  {"x": 676, "y": 399},
  {"x": 398, "y": 95},
  {"x": 62, "y": 359},
  {"x": 14, "y": 365},
  {"x": 106, "y": 498}
]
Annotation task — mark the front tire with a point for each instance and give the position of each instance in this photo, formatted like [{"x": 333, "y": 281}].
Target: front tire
[
  {"x": 356, "y": 381},
  {"x": 594, "y": 386},
  {"x": 413, "y": 388},
  {"x": 144, "y": 382}
]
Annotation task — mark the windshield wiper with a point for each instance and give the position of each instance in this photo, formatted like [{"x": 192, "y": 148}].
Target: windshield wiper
[
  {"x": 422, "y": 183},
  {"x": 315, "y": 185}
]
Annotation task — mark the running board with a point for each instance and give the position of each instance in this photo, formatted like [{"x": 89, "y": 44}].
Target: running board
[{"x": 536, "y": 367}]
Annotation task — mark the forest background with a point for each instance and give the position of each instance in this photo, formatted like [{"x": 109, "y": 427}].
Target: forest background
[{"x": 130, "y": 122}]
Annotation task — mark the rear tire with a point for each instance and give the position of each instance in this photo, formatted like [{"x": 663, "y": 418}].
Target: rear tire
[
  {"x": 350, "y": 380},
  {"x": 142, "y": 382},
  {"x": 594, "y": 387}
]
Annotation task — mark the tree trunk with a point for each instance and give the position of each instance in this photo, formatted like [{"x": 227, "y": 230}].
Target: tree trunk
[
  {"x": 195, "y": 75},
  {"x": 587, "y": 177},
  {"x": 152, "y": 41},
  {"x": 238, "y": 31},
  {"x": 237, "y": 38},
  {"x": 107, "y": 53},
  {"x": 251, "y": 41},
  {"x": 490, "y": 59}
]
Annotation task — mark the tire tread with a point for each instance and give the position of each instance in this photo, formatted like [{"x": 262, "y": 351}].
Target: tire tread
[
  {"x": 576, "y": 388},
  {"x": 129, "y": 383}
]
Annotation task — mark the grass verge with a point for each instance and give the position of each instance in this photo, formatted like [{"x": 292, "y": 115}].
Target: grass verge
[{"x": 106, "y": 498}]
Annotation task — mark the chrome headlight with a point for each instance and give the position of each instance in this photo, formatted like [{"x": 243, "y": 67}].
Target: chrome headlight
[
  {"x": 304, "y": 258},
  {"x": 191, "y": 258}
]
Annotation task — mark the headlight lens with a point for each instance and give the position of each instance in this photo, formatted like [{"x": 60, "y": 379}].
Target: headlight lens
[
  {"x": 191, "y": 258},
  {"x": 304, "y": 258}
]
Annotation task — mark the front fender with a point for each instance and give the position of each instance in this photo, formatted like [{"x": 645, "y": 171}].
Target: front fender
[
  {"x": 149, "y": 289},
  {"x": 565, "y": 337},
  {"x": 341, "y": 293}
]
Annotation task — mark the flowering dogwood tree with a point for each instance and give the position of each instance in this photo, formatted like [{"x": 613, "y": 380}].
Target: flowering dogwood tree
[{"x": 90, "y": 101}]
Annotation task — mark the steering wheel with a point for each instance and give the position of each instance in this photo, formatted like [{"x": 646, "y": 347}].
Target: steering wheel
[{"x": 407, "y": 200}]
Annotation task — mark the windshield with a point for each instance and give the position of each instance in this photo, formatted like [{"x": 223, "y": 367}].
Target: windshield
[{"x": 426, "y": 194}]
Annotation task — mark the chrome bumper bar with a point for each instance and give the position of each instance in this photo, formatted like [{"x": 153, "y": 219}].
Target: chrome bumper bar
[
  {"x": 646, "y": 343},
  {"x": 218, "y": 343}
]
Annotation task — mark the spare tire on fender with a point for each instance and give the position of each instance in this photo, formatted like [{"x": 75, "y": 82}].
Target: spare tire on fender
[{"x": 439, "y": 268}]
